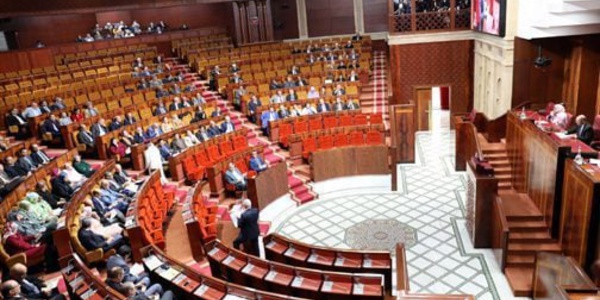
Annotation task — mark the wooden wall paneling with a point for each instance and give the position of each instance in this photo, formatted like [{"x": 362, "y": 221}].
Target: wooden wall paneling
[
  {"x": 252, "y": 21},
  {"x": 10, "y": 63},
  {"x": 262, "y": 29},
  {"x": 41, "y": 57},
  {"x": 236, "y": 17},
  {"x": 579, "y": 220},
  {"x": 330, "y": 17},
  {"x": 285, "y": 19},
  {"x": 244, "y": 23},
  {"x": 434, "y": 64},
  {"x": 403, "y": 128},
  {"x": 375, "y": 14},
  {"x": 588, "y": 79},
  {"x": 114, "y": 16},
  {"x": 268, "y": 13}
]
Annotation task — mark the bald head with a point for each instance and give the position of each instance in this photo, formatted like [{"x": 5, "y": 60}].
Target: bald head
[
  {"x": 18, "y": 271},
  {"x": 9, "y": 289},
  {"x": 247, "y": 204},
  {"x": 580, "y": 120}
]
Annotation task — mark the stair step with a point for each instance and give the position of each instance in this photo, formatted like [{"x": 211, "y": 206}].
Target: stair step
[
  {"x": 502, "y": 171},
  {"x": 520, "y": 281},
  {"x": 526, "y": 225},
  {"x": 530, "y": 237},
  {"x": 505, "y": 185},
  {"x": 520, "y": 260},
  {"x": 499, "y": 163},
  {"x": 496, "y": 156},
  {"x": 519, "y": 247}
]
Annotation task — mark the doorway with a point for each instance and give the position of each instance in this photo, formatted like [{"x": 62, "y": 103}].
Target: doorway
[{"x": 433, "y": 107}]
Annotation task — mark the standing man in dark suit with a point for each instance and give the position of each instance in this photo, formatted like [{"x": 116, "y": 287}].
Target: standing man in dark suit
[
  {"x": 582, "y": 130},
  {"x": 249, "y": 231}
]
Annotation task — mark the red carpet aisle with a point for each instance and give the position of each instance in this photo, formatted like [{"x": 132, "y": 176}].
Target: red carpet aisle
[{"x": 374, "y": 97}]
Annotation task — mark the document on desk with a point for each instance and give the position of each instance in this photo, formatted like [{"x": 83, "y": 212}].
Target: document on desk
[
  {"x": 359, "y": 288},
  {"x": 327, "y": 285},
  {"x": 136, "y": 269},
  {"x": 169, "y": 274},
  {"x": 594, "y": 161},
  {"x": 152, "y": 262},
  {"x": 563, "y": 136}
]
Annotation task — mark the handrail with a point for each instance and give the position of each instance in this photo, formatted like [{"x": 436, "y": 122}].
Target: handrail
[
  {"x": 402, "y": 282},
  {"x": 504, "y": 231}
]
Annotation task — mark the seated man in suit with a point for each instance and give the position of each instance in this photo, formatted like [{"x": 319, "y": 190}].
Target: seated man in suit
[
  {"x": 108, "y": 215},
  {"x": 61, "y": 187},
  {"x": 165, "y": 150},
  {"x": 227, "y": 126},
  {"x": 291, "y": 96},
  {"x": 32, "y": 111},
  {"x": 339, "y": 91},
  {"x": 582, "y": 130},
  {"x": 160, "y": 109},
  {"x": 176, "y": 105},
  {"x": 122, "y": 259},
  {"x": 252, "y": 106},
  {"x": 99, "y": 128},
  {"x": 115, "y": 278},
  {"x": 266, "y": 117},
  {"x": 129, "y": 119},
  {"x": 153, "y": 131},
  {"x": 235, "y": 177},
  {"x": 351, "y": 105},
  {"x": 202, "y": 135},
  {"x": 216, "y": 112},
  {"x": 178, "y": 144},
  {"x": 199, "y": 115},
  {"x": 92, "y": 241},
  {"x": 257, "y": 164},
  {"x": 249, "y": 230},
  {"x": 32, "y": 287},
  {"x": 25, "y": 162},
  {"x": 213, "y": 130},
  {"x": 116, "y": 124},
  {"x": 323, "y": 106},
  {"x": 139, "y": 137},
  {"x": 52, "y": 126},
  {"x": 338, "y": 105},
  {"x": 7, "y": 183},
  {"x": 38, "y": 156},
  {"x": 15, "y": 119},
  {"x": 12, "y": 169},
  {"x": 86, "y": 137}
]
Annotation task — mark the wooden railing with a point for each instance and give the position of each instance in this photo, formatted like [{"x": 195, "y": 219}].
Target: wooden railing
[
  {"x": 499, "y": 232},
  {"x": 410, "y": 21}
]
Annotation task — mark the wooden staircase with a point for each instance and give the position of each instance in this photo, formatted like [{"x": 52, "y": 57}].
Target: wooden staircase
[
  {"x": 496, "y": 154},
  {"x": 528, "y": 234}
]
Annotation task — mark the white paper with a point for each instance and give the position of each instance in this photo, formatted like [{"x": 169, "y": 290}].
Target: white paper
[
  {"x": 327, "y": 285},
  {"x": 271, "y": 244},
  {"x": 213, "y": 251},
  {"x": 136, "y": 269},
  {"x": 358, "y": 289},
  {"x": 271, "y": 275},
  {"x": 563, "y": 136},
  {"x": 233, "y": 297},
  {"x": 201, "y": 290},
  {"x": 152, "y": 262},
  {"x": 169, "y": 273},
  {"x": 297, "y": 281},
  {"x": 179, "y": 278},
  {"x": 339, "y": 261},
  {"x": 228, "y": 260},
  {"x": 594, "y": 161},
  {"x": 75, "y": 282},
  {"x": 367, "y": 263},
  {"x": 248, "y": 268},
  {"x": 235, "y": 213},
  {"x": 313, "y": 258},
  {"x": 290, "y": 251}
]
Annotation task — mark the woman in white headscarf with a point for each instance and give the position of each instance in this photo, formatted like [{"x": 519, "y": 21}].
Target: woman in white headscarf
[{"x": 559, "y": 116}]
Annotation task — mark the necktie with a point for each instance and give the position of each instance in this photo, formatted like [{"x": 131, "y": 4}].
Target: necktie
[
  {"x": 580, "y": 130},
  {"x": 20, "y": 120},
  {"x": 45, "y": 158}
]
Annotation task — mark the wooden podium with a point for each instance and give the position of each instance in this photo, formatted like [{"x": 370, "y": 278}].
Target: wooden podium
[
  {"x": 268, "y": 186},
  {"x": 481, "y": 191}
]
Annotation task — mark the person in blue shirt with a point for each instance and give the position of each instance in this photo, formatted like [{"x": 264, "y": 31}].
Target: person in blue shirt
[
  {"x": 257, "y": 164},
  {"x": 267, "y": 117}
]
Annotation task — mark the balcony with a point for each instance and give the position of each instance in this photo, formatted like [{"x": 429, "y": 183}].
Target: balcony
[{"x": 429, "y": 16}]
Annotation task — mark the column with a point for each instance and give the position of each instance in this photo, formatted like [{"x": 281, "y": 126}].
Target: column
[
  {"x": 359, "y": 19},
  {"x": 302, "y": 20}
]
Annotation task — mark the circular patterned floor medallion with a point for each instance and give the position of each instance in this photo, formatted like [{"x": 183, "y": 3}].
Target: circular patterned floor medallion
[{"x": 380, "y": 235}]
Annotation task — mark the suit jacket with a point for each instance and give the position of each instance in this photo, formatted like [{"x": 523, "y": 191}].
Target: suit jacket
[
  {"x": 199, "y": 116},
  {"x": 230, "y": 176},
  {"x": 213, "y": 131},
  {"x": 178, "y": 145},
  {"x": 15, "y": 171},
  {"x": 320, "y": 107},
  {"x": 32, "y": 289},
  {"x": 253, "y": 105},
  {"x": 97, "y": 130},
  {"x": 115, "y": 126},
  {"x": 215, "y": 114},
  {"x": 283, "y": 113},
  {"x": 13, "y": 120},
  {"x": 139, "y": 138},
  {"x": 202, "y": 138},
  {"x": 248, "y": 224},
  {"x": 129, "y": 121},
  {"x": 585, "y": 133},
  {"x": 50, "y": 198},
  {"x": 52, "y": 127},
  {"x": 266, "y": 117},
  {"x": 38, "y": 157},
  {"x": 160, "y": 110},
  {"x": 91, "y": 241},
  {"x": 61, "y": 189},
  {"x": 173, "y": 107},
  {"x": 338, "y": 106},
  {"x": 257, "y": 164},
  {"x": 26, "y": 163},
  {"x": 87, "y": 139},
  {"x": 117, "y": 261},
  {"x": 291, "y": 97},
  {"x": 224, "y": 126}
]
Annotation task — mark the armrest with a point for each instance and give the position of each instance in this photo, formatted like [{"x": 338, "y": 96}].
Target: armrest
[
  {"x": 94, "y": 255},
  {"x": 17, "y": 258}
]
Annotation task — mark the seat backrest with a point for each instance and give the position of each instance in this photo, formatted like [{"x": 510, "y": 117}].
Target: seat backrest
[
  {"x": 315, "y": 124},
  {"x": 309, "y": 144},
  {"x": 340, "y": 140},
  {"x": 360, "y": 119},
  {"x": 300, "y": 126},
  {"x": 356, "y": 138},
  {"x": 596, "y": 127},
  {"x": 325, "y": 142},
  {"x": 374, "y": 138}
]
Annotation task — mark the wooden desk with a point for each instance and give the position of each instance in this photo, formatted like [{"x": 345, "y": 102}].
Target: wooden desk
[
  {"x": 537, "y": 162},
  {"x": 349, "y": 161},
  {"x": 268, "y": 186},
  {"x": 481, "y": 191}
]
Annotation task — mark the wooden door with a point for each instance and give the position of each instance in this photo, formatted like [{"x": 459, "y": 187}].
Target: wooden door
[{"x": 423, "y": 101}]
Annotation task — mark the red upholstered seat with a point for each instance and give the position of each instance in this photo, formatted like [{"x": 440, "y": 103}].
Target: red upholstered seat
[
  {"x": 330, "y": 122},
  {"x": 374, "y": 138},
  {"x": 346, "y": 120},
  {"x": 226, "y": 148},
  {"x": 340, "y": 140},
  {"x": 315, "y": 124},
  {"x": 549, "y": 108},
  {"x": 360, "y": 120},
  {"x": 240, "y": 143},
  {"x": 213, "y": 153},
  {"x": 193, "y": 171},
  {"x": 201, "y": 158},
  {"x": 356, "y": 138},
  {"x": 301, "y": 126},
  {"x": 376, "y": 119},
  {"x": 325, "y": 142},
  {"x": 285, "y": 129},
  {"x": 309, "y": 144}
]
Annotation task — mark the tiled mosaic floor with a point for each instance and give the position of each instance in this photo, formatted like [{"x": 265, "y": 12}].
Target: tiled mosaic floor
[{"x": 430, "y": 201}]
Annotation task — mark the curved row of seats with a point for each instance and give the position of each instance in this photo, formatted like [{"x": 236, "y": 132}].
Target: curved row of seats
[
  {"x": 301, "y": 145},
  {"x": 82, "y": 283},
  {"x": 15, "y": 148},
  {"x": 91, "y": 55},
  {"x": 315, "y": 283},
  {"x": 11, "y": 200},
  {"x": 200, "y": 219},
  {"x": 148, "y": 214},
  {"x": 195, "y": 160},
  {"x": 73, "y": 217},
  {"x": 283, "y": 128}
]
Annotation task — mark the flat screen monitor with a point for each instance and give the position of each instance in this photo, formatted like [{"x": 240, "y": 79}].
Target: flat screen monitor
[{"x": 489, "y": 16}]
